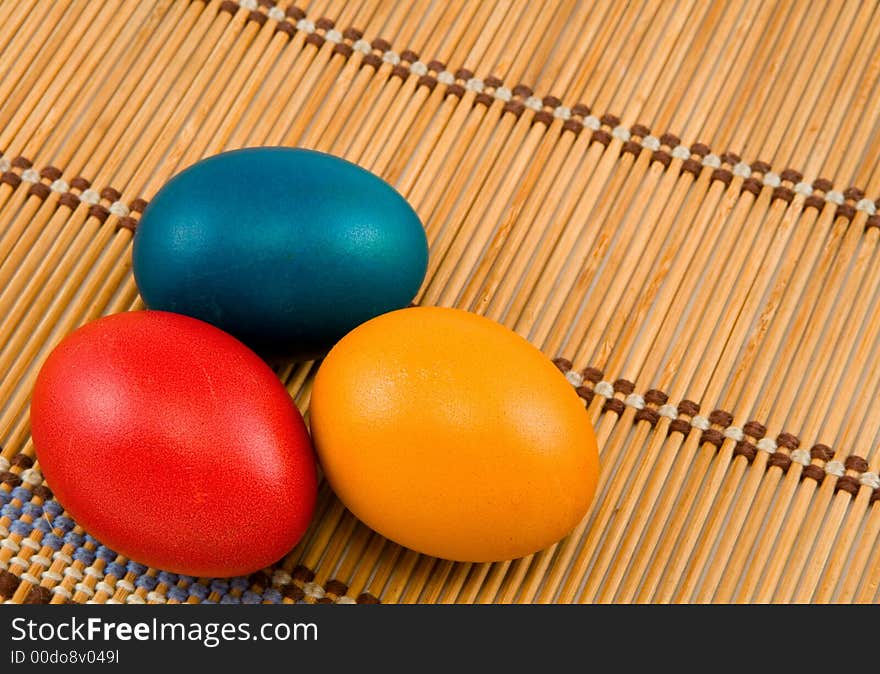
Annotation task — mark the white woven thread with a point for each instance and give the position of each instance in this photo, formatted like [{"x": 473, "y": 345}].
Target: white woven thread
[
  {"x": 835, "y": 197},
  {"x": 52, "y": 575},
  {"x": 592, "y": 122},
  {"x": 391, "y": 57},
  {"x": 59, "y": 186},
  {"x": 681, "y": 152},
  {"x": 345, "y": 599},
  {"x": 418, "y": 68},
  {"x": 63, "y": 591},
  {"x": 475, "y": 84},
  {"x": 63, "y": 557},
  {"x": 84, "y": 589},
  {"x": 801, "y": 456},
  {"x": 562, "y": 112},
  {"x": 156, "y": 597},
  {"x": 30, "y": 176},
  {"x": 742, "y": 170},
  {"x": 73, "y": 572},
  {"x": 712, "y": 161},
  {"x": 835, "y": 468},
  {"x": 125, "y": 585},
  {"x": 700, "y": 422},
  {"x": 621, "y": 133},
  {"x": 333, "y": 36},
  {"x": 30, "y": 544},
  {"x": 772, "y": 179},
  {"x": 870, "y": 479},
  {"x": 90, "y": 197},
  {"x": 313, "y": 590},
  {"x": 306, "y": 26},
  {"x": 867, "y": 206},
  {"x": 767, "y": 445},
  {"x": 503, "y": 94},
  {"x": 362, "y": 46},
  {"x": 134, "y": 599},
  {"x": 281, "y": 577},
  {"x": 668, "y": 411},
  {"x": 104, "y": 587},
  {"x": 534, "y": 103},
  {"x": 4, "y": 464},
  {"x": 446, "y": 77},
  {"x": 276, "y": 14},
  {"x": 575, "y": 378},
  {"x": 635, "y": 400},
  {"x": 735, "y": 433},
  {"x": 803, "y": 188},
  {"x": 29, "y": 578},
  {"x": 651, "y": 143},
  {"x": 31, "y": 476},
  {"x": 42, "y": 560},
  {"x": 9, "y": 544},
  {"x": 250, "y": 5},
  {"x": 118, "y": 209},
  {"x": 604, "y": 389},
  {"x": 5, "y": 165}
]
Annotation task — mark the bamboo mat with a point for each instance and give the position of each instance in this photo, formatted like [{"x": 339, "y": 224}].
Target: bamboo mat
[{"x": 671, "y": 198}]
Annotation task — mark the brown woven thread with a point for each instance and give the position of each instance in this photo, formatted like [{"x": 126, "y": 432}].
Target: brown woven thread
[{"x": 821, "y": 452}]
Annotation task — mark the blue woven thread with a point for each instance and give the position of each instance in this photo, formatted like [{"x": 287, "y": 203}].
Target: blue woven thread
[
  {"x": 52, "y": 541},
  {"x": 177, "y": 593},
  {"x": 167, "y": 578},
  {"x": 84, "y": 555},
  {"x": 115, "y": 569},
  {"x": 21, "y": 528},
  {"x": 135, "y": 568},
  {"x": 149, "y": 583},
  {"x": 240, "y": 583},
  {"x": 58, "y": 531},
  {"x": 21, "y": 494},
  {"x": 251, "y": 598},
  {"x": 272, "y": 595},
  {"x": 106, "y": 554},
  {"x": 199, "y": 591},
  {"x": 64, "y": 523},
  {"x": 219, "y": 585}
]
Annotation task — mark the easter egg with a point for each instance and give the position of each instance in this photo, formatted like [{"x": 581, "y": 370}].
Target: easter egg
[
  {"x": 453, "y": 436},
  {"x": 286, "y": 249},
  {"x": 173, "y": 444}
]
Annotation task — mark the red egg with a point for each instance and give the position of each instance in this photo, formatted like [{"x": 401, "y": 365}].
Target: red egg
[{"x": 174, "y": 444}]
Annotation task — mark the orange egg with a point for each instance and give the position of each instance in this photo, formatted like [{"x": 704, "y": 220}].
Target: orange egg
[{"x": 453, "y": 436}]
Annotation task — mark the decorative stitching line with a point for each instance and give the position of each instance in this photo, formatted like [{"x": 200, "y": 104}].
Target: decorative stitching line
[
  {"x": 48, "y": 180},
  {"x": 718, "y": 426},
  {"x": 59, "y": 542},
  {"x": 785, "y": 185},
  {"x": 575, "y": 118}
]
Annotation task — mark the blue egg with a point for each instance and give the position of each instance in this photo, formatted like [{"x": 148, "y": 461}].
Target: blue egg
[{"x": 286, "y": 249}]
